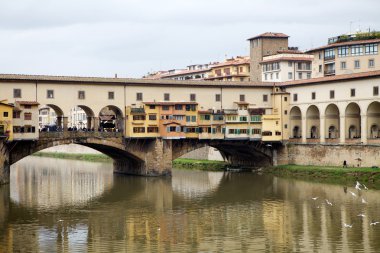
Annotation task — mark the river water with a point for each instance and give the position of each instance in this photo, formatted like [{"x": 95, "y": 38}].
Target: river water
[{"x": 56, "y": 205}]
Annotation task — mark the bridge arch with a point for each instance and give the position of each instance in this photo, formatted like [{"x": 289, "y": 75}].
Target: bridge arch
[
  {"x": 353, "y": 121},
  {"x": 78, "y": 120},
  {"x": 373, "y": 120},
  {"x": 295, "y": 122},
  {"x": 111, "y": 115},
  {"x": 312, "y": 122},
  {"x": 48, "y": 117},
  {"x": 332, "y": 123}
]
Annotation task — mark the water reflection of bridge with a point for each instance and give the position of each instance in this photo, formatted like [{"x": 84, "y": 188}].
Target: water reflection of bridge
[{"x": 250, "y": 212}]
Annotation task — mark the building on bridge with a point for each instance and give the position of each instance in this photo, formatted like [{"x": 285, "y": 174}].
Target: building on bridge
[
  {"x": 25, "y": 120},
  {"x": 6, "y": 123}
]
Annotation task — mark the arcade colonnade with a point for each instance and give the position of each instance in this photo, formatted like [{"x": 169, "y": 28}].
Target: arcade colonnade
[{"x": 341, "y": 122}]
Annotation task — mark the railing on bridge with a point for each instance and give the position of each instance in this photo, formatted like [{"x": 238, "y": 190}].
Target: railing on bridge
[{"x": 67, "y": 134}]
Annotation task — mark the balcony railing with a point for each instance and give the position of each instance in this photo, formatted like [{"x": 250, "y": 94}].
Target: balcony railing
[
  {"x": 329, "y": 57},
  {"x": 329, "y": 72}
]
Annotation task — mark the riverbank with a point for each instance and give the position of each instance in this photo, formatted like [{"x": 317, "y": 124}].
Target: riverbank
[
  {"x": 194, "y": 164},
  {"x": 180, "y": 163},
  {"x": 82, "y": 157},
  {"x": 329, "y": 174}
]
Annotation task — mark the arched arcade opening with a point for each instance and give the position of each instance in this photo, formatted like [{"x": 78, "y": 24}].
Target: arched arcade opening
[
  {"x": 373, "y": 120},
  {"x": 332, "y": 124},
  {"x": 312, "y": 122},
  {"x": 353, "y": 121},
  {"x": 295, "y": 123}
]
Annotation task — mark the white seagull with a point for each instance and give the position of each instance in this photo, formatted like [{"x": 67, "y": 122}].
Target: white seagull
[
  {"x": 374, "y": 223},
  {"x": 353, "y": 194},
  {"x": 357, "y": 186},
  {"x": 365, "y": 187},
  {"x": 361, "y": 215},
  {"x": 328, "y": 202},
  {"x": 347, "y": 225},
  {"x": 363, "y": 201},
  {"x": 315, "y": 198}
]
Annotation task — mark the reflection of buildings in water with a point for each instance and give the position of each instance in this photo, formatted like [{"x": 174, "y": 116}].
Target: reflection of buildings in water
[
  {"x": 195, "y": 183},
  {"x": 49, "y": 183}
]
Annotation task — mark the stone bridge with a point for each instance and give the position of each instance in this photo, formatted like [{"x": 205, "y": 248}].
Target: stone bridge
[{"x": 137, "y": 156}]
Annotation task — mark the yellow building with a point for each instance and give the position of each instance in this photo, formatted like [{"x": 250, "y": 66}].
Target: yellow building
[
  {"x": 6, "y": 125},
  {"x": 142, "y": 122},
  {"x": 234, "y": 69},
  {"x": 275, "y": 124}
]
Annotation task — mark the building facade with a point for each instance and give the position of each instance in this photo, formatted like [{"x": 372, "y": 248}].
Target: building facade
[{"x": 235, "y": 70}]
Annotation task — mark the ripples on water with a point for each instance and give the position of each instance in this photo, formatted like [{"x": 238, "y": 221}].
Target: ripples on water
[{"x": 57, "y": 205}]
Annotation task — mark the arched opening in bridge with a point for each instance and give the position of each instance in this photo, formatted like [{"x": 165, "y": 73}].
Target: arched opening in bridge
[
  {"x": 313, "y": 122},
  {"x": 81, "y": 118},
  {"x": 111, "y": 119},
  {"x": 50, "y": 118},
  {"x": 295, "y": 122},
  {"x": 353, "y": 121},
  {"x": 373, "y": 120},
  {"x": 332, "y": 123}
]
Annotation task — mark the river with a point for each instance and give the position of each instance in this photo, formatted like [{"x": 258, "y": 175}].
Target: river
[{"x": 57, "y": 205}]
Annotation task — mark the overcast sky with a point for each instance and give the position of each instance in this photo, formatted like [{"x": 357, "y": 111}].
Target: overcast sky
[{"x": 133, "y": 37}]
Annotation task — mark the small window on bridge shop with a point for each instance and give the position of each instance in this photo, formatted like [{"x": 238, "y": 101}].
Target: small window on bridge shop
[
  {"x": 213, "y": 130},
  {"x": 205, "y": 117},
  {"x": 81, "y": 94},
  {"x": 191, "y": 108},
  {"x": 313, "y": 95},
  {"x": 178, "y": 107},
  {"x": 295, "y": 97},
  {"x": 111, "y": 95},
  {"x": 30, "y": 129},
  {"x": 16, "y": 93},
  {"x": 152, "y": 129},
  {"x": 217, "y": 97},
  {"x": 231, "y": 131},
  {"x": 139, "y": 129},
  {"x": 352, "y": 92},
  {"x": 17, "y": 129},
  {"x": 165, "y": 108},
  {"x": 5, "y": 114},
  {"x": 27, "y": 107},
  {"x": 243, "y": 118},
  {"x": 50, "y": 93},
  {"x": 27, "y": 116},
  {"x": 138, "y": 117},
  {"x": 192, "y": 97},
  {"x": 153, "y": 117},
  {"x": 139, "y": 96},
  {"x": 243, "y": 131},
  {"x": 166, "y": 96},
  {"x": 242, "y": 98},
  {"x": 332, "y": 94},
  {"x": 267, "y": 133},
  {"x": 278, "y": 133},
  {"x": 16, "y": 114},
  {"x": 152, "y": 107},
  {"x": 265, "y": 98},
  {"x": 256, "y": 131},
  {"x": 376, "y": 90},
  {"x": 218, "y": 117}
]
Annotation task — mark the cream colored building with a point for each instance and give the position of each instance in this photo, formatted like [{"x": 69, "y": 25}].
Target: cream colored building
[
  {"x": 25, "y": 120},
  {"x": 286, "y": 65},
  {"x": 47, "y": 116},
  {"x": 348, "y": 57},
  {"x": 234, "y": 69}
]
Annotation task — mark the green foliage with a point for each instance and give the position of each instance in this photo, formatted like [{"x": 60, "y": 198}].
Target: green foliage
[
  {"x": 83, "y": 157},
  {"x": 207, "y": 165}
]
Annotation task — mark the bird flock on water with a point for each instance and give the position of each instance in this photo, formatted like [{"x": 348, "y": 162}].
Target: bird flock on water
[{"x": 359, "y": 187}]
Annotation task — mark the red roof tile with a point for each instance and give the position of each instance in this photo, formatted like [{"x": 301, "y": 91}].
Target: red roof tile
[
  {"x": 170, "y": 103},
  {"x": 287, "y": 59},
  {"x": 270, "y": 35},
  {"x": 27, "y": 102}
]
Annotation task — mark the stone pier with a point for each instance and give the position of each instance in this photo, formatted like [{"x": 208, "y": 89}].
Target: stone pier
[{"x": 4, "y": 163}]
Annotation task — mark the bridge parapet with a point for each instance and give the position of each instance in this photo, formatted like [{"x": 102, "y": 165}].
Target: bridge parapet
[{"x": 79, "y": 134}]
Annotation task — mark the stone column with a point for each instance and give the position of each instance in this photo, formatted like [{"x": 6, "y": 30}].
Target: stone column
[
  {"x": 322, "y": 129},
  {"x": 364, "y": 130},
  {"x": 342, "y": 129},
  {"x": 65, "y": 123},
  {"x": 96, "y": 123},
  {"x": 4, "y": 163},
  {"x": 304, "y": 130},
  {"x": 89, "y": 122},
  {"x": 59, "y": 121}
]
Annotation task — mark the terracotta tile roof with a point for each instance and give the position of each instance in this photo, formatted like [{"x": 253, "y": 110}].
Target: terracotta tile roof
[
  {"x": 346, "y": 77},
  {"x": 125, "y": 81},
  {"x": 185, "y": 72},
  {"x": 170, "y": 103},
  {"x": 217, "y": 77},
  {"x": 233, "y": 62},
  {"x": 287, "y": 59},
  {"x": 9, "y": 105},
  {"x": 270, "y": 35},
  {"x": 289, "y": 51},
  {"x": 241, "y": 103},
  {"x": 27, "y": 102},
  {"x": 348, "y": 43}
]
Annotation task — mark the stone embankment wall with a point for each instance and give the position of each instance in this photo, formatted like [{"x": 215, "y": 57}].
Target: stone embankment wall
[{"x": 332, "y": 155}]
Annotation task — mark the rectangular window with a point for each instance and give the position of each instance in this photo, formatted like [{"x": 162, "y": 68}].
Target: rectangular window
[
  {"x": 352, "y": 92},
  {"x": 277, "y": 76},
  {"x": 193, "y": 118},
  {"x": 266, "y": 77},
  {"x": 178, "y": 107},
  {"x": 111, "y": 95},
  {"x": 285, "y": 99},
  {"x": 138, "y": 117},
  {"x": 217, "y": 97},
  {"x": 166, "y": 96},
  {"x": 290, "y": 75},
  {"x": 313, "y": 95},
  {"x": 27, "y": 116},
  {"x": 50, "y": 93},
  {"x": 320, "y": 68},
  {"x": 5, "y": 114},
  {"x": 81, "y": 94},
  {"x": 242, "y": 98},
  {"x": 243, "y": 118},
  {"x": 17, "y": 93},
  {"x": 16, "y": 114},
  {"x": 343, "y": 65},
  {"x": 329, "y": 54},
  {"x": 357, "y": 50},
  {"x": 152, "y": 129},
  {"x": 165, "y": 108},
  {"x": 357, "y": 64},
  {"x": 152, "y": 107},
  {"x": 343, "y": 51},
  {"x": 188, "y": 118},
  {"x": 295, "y": 97},
  {"x": 371, "y": 49},
  {"x": 265, "y": 98},
  {"x": 371, "y": 63},
  {"x": 192, "y": 97},
  {"x": 308, "y": 75},
  {"x": 300, "y": 75},
  {"x": 256, "y": 131},
  {"x": 332, "y": 94},
  {"x": 153, "y": 117},
  {"x": 139, "y": 129},
  {"x": 290, "y": 64},
  {"x": 376, "y": 90},
  {"x": 139, "y": 96}
]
